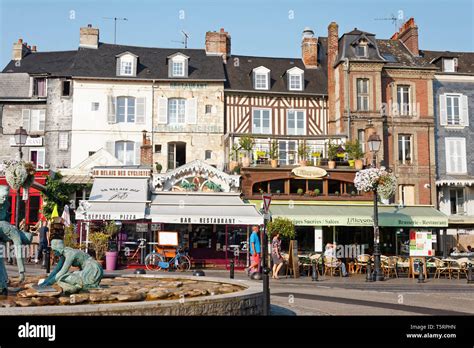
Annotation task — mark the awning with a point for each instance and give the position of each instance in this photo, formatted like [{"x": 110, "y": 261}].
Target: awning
[
  {"x": 115, "y": 199},
  {"x": 77, "y": 179},
  {"x": 352, "y": 215},
  {"x": 203, "y": 208}
]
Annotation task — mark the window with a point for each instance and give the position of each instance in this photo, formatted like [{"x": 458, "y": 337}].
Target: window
[
  {"x": 126, "y": 67},
  {"x": 63, "y": 141},
  {"x": 126, "y": 109},
  {"x": 176, "y": 111},
  {"x": 448, "y": 65},
  {"x": 361, "y": 137},
  {"x": 404, "y": 148},
  {"x": 125, "y": 152},
  {"x": 208, "y": 108},
  {"x": 261, "y": 81},
  {"x": 361, "y": 50},
  {"x": 452, "y": 109},
  {"x": 95, "y": 106},
  {"x": 178, "y": 68},
  {"x": 363, "y": 94},
  {"x": 287, "y": 152},
  {"x": 261, "y": 121},
  {"x": 66, "y": 88},
  {"x": 34, "y": 120},
  {"x": 296, "y": 82},
  {"x": 456, "y": 200},
  {"x": 403, "y": 100},
  {"x": 406, "y": 194},
  {"x": 39, "y": 87},
  {"x": 37, "y": 156},
  {"x": 456, "y": 155},
  {"x": 157, "y": 148},
  {"x": 296, "y": 122},
  {"x": 208, "y": 155}
]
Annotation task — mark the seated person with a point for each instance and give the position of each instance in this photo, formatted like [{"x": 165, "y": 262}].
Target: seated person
[
  {"x": 331, "y": 252},
  {"x": 89, "y": 275}
]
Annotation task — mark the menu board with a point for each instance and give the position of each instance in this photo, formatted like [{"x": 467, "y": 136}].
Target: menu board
[
  {"x": 421, "y": 243},
  {"x": 168, "y": 238}
]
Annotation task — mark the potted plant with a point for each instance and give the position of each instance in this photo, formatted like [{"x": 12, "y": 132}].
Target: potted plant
[
  {"x": 278, "y": 192},
  {"x": 274, "y": 154},
  {"x": 355, "y": 154},
  {"x": 158, "y": 167},
  {"x": 317, "y": 192},
  {"x": 99, "y": 242},
  {"x": 336, "y": 193},
  {"x": 246, "y": 143},
  {"x": 111, "y": 254},
  {"x": 260, "y": 154},
  {"x": 300, "y": 191},
  {"x": 353, "y": 193},
  {"x": 284, "y": 226},
  {"x": 71, "y": 237},
  {"x": 332, "y": 155},
  {"x": 317, "y": 157},
  {"x": 234, "y": 157},
  {"x": 303, "y": 152}
]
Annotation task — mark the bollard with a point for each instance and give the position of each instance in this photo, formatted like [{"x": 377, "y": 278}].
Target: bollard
[
  {"x": 368, "y": 277},
  {"x": 470, "y": 274},
  {"x": 48, "y": 259},
  {"x": 314, "y": 276},
  {"x": 43, "y": 261},
  {"x": 232, "y": 268},
  {"x": 421, "y": 274}
]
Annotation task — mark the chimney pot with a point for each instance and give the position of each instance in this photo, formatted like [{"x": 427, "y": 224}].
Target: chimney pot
[
  {"x": 218, "y": 43},
  {"x": 309, "y": 49},
  {"x": 33, "y": 49},
  {"x": 408, "y": 34},
  {"x": 89, "y": 37}
]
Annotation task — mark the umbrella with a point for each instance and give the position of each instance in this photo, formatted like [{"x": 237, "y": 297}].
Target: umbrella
[
  {"x": 66, "y": 216},
  {"x": 55, "y": 212}
]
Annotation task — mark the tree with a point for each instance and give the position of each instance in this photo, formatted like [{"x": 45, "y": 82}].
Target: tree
[
  {"x": 57, "y": 192},
  {"x": 284, "y": 226}
]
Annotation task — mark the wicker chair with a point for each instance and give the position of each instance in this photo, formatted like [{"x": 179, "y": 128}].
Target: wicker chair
[
  {"x": 389, "y": 266},
  {"x": 441, "y": 268},
  {"x": 361, "y": 262},
  {"x": 332, "y": 265},
  {"x": 459, "y": 266}
]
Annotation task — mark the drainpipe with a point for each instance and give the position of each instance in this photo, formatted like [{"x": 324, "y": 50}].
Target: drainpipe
[
  {"x": 429, "y": 164},
  {"x": 152, "y": 124},
  {"x": 347, "y": 97}
]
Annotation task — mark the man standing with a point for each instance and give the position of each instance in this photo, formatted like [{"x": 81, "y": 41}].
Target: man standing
[
  {"x": 43, "y": 240},
  {"x": 254, "y": 251}
]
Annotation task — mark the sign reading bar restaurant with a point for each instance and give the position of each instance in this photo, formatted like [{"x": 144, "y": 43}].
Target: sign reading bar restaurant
[
  {"x": 121, "y": 172},
  {"x": 309, "y": 172}
]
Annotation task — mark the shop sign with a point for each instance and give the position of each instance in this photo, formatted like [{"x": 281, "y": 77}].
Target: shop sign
[
  {"x": 36, "y": 141},
  {"x": 363, "y": 221},
  {"x": 141, "y": 227},
  {"x": 188, "y": 85},
  {"x": 309, "y": 172},
  {"x": 121, "y": 173},
  {"x": 119, "y": 193},
  {"x": 208, "y": 220},
  {"x": 155, "y": 227},
  {"x": 111, "y": 216},
  {"x": 421, "y": 243}
]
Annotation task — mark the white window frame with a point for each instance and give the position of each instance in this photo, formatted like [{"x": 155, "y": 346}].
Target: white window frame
[
  {"x": 460, "y": 159},
  {"x": 260, "y": 129},
  {"x": 295, "y": 132},
  {"x": 175, "y": 64},
  {"x": 45, "y": 87},
  {"x": 463, "y": 196},
  {"x": 406, "y": 138},
  {"x": 178, "y": 116},
  {"x": 285, "y": 160},
  {"x": 298, "y": 86},
  {"x": 39, "y": 125},
  {"x": 93, "y": 105},
  {"x": 126, "y": 64},
  {"x": 447, "y": 67},
  {"x": 363, "y": 95},
  {"x": 259, "y": 78},
  {"x": 363, "y": 46},
  {"x": 124, "y": 159},
  {"x": 127, "y": 98},
  {"x": 39, "y": 150},
  {"x": 401, "y": 102},
  {"x": 452, "y": 96}
]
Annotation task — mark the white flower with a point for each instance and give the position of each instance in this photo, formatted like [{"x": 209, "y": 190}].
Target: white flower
[{"x": 376, "y": 179}]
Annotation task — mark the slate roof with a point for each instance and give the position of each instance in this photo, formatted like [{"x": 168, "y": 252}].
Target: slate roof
[
  {"x": 15, "y": 85},
  {"x": 465, "y": 60},
  {"x": 101, "y": 63},
  {"x": 239, "y": 73}
]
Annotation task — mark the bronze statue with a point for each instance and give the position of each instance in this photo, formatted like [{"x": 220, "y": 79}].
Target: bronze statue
[
  {"x": 9, "y": 233},
  {"x": 89, "y": 275}
]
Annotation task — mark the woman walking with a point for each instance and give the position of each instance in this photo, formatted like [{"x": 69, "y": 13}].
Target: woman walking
[{"x": 276, "y": 256}]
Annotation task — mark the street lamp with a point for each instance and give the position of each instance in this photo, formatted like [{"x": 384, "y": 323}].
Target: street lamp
[
  {"x": 374, "y": 143},
  {"x": 20, "y": 140}
]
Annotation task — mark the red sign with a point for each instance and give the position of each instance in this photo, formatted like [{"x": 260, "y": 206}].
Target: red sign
[{"x": 267, "y": 199}]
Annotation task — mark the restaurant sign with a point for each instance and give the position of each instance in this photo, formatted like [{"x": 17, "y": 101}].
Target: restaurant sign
[
  {"x": 121, "y": 173},
  {"x": 111, "y": 216},
  {"x": 384, "y": 220},
  {"x": 309, "y": 172},
  {"x": 207, "y": 220}
]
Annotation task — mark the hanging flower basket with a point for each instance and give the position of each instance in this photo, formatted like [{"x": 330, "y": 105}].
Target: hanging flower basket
[
  {"x": 19, "y": 173},
  {"x": 376, "y": 179}
]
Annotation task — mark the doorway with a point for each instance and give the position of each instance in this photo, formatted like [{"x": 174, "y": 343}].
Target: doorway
[{"x": 176, "y": 154}]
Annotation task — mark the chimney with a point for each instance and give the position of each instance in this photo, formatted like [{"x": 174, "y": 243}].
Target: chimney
[
  {"x": 333, "y": 48},
  {"x": 20, "y": 50},
  {"x": 218, "y": 43},
  {"x": 33, "y": 49},
  {"x": 408, "y": 34},
  {"x": 89, "y": 37},
  {"x": 309, "y": 49},
  {"x": 146, "y": 151}
]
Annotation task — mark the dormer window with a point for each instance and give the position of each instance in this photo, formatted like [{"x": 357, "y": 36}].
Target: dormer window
[
  {"x": 361, "y": 50},
  {"x": 295, "y": 79},
  {"x": 178, "y": 65},
  {"x": 126, "y": 64},
  {"x": 261, "y": 78},
  {"x": 449, "y": 64}
]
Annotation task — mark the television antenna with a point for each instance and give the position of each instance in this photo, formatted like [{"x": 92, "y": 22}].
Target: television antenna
[
  {"x": 185, "y": 39},
  {"x": 115, "y": 19},
  {"x": 395, "y": 20}
]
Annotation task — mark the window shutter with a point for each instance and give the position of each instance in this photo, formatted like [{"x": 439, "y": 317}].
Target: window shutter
[
  {"x": 191, "y": 111},
  {"x": 464, "y": 111},
  {"x": 268, "y": 80},
  {"x": 41, "y": 160},
  {"x": 140, "y": 107},
  {"x": 461, "y": 152},
  {"x": 42, "y": 119},
  {"x": 119, "y": 65},
  {"x": 443, "y": 115},
  {"x": 254, "y": 80},
  {"x": 162, "y": 110},
  {"x": 138, "y": 146},
  {"x": 170, "y": 68},
  {"x": 111, "y": 114},
  {"x": 186, "y": 64},
  {"x": 134, "y": 66},
  {"x": 110, "y": 147},
  {"x": 25, "y": 114},
  {"x": 288, "y": 78},
  {"x": 449, "y": 156}
]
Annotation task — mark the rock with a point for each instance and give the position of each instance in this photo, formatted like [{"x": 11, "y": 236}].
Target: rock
[
  {"x": 144, "y": 290},
  {"x": 64, "y": 300},
  {"x": 24, "y": 302},
  {"x": 45, "y": 301},
  {"x": 129, "y": 297},
  {"x": 98, "y": 297},
  {"x": 7, "y": 303},
  {"x": 32, "y": 292},
  {"x": 157, "y": 295},
  {"x": 78, "y": 298},
  {"x": 225, "y": 290}
]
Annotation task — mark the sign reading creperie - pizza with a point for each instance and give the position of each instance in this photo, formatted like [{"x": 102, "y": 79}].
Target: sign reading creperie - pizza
[{"x": 121, "y": 173}]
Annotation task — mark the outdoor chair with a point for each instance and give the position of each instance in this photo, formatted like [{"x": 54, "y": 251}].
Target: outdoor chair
[
  {"x": 361, "y": 262},
  {"x": 441, "y": 268},
  {"x": 389, "y": 266},
  {"x": 459, "y": 266},
  {"x": 403, "y": 264},
  {"x": 332, "y": 265}
]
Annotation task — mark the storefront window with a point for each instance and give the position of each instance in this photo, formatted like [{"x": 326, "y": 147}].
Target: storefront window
[
  {"x": 277, "y": 185},
  {"x": 34, "y": 206},
  {"x": 296, "y": 184},
  {"x": 350, "y": 188},
  {"x": 201, "y": 237},
  {"x": 260, "y": 186},
  {"x": 334, "y": 186},
  {"x": 315, "y": 184},
  {"x": 305, "y": 238}
]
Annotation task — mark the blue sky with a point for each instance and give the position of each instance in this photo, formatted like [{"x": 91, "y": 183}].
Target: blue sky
[{"x": 257, "y": 27}]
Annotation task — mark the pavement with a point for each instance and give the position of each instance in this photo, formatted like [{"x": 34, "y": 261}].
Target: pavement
[{"x": 353, "y": 295}]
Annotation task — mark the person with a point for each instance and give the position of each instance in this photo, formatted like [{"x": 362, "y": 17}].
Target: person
[
  {"x": 254, "y": 250},
  {"x": 88, "y": 276},
  {"x": 276, "y": 255},
  {"x": 43, "y": 241},
  {"x": 331, "y": 252}
]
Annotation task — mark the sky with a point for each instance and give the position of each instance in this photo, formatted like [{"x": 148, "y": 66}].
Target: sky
[{"x": 257, "y": 27}]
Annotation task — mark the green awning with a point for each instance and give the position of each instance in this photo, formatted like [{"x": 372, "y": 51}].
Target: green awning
[{"x": 360, "y": 215}]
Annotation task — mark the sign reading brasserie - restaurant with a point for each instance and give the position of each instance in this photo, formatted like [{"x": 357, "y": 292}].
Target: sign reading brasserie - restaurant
[{"x": 309, "y": 172}]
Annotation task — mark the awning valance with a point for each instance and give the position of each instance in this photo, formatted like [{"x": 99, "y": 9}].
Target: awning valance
[
  {"x": 203, "y": 208},
  {"x": 352, "y": 215}
]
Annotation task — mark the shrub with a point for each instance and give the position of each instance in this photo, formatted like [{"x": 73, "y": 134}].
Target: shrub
[{"x": 284, "y": 226}]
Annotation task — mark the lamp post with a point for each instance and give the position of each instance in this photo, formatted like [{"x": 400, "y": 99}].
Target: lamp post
[
  {"x": 374, "y": 143},
  {"x": 20, "y": 140}
]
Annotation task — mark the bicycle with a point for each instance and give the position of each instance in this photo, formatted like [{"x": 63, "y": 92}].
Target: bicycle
[
  {"x": 156, "y": 261},
  {"x": 136, "y": 256}
]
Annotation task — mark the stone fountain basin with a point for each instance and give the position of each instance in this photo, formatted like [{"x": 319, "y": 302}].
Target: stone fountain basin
[{"x": 238, "y": 297}]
